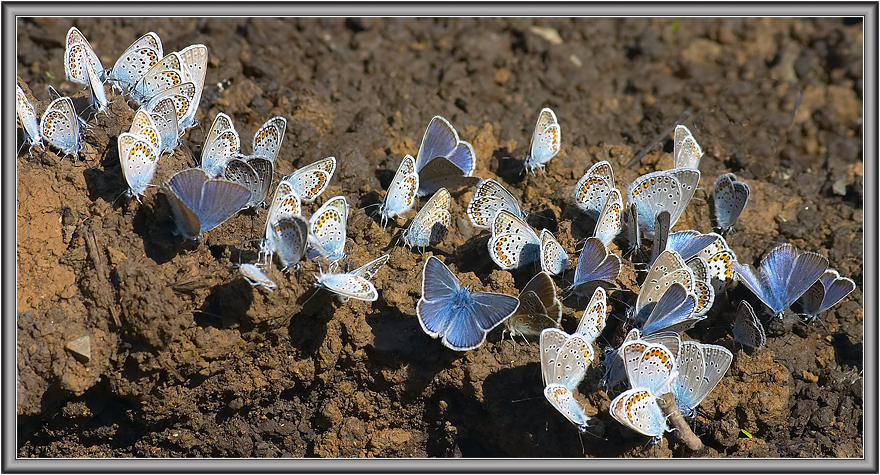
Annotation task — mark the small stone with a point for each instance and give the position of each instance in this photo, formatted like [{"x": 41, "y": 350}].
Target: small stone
[
  {"x": 81, "y": 347},
  {"x": 548, "y": 34},
  {"x": 809, "y": 377}
]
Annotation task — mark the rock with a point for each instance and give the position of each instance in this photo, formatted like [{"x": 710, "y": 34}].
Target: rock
[{"x": 81, "y": 348}]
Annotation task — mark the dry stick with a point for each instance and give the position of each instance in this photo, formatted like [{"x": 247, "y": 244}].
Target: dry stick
[
  {"x": 673, "y": 415},
  {"x": 100, "y": 268}
]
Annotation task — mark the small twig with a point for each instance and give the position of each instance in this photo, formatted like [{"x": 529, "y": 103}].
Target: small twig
[
  {"x": 673, "y": 415},
  {"x": 100, "y": 268}
]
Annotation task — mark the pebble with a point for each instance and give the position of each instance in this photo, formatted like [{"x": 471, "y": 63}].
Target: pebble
[{"x": 81, "y": 347}]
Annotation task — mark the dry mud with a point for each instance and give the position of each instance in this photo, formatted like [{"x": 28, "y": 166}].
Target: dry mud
[{"x": 188, "y": 360}]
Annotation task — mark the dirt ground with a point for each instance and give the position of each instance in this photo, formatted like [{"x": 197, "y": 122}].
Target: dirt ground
[{"x": 187, "y": 360}]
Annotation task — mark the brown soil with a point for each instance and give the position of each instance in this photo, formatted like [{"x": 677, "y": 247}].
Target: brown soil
[{"x": 188, "y": 360}]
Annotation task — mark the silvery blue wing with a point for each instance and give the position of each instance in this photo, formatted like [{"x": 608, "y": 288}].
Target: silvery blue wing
[
  {"x": 78, "y": 56},
  {"x": 596, "y": 263},
  {"x": 60, "y": 125},
  {"x": 747, "y": 329},
  {"x": 164, "y": 116},
  {"x": 689, "y": 243},
  {"x": 783, "y": 276},
  {"x": 729, "y": 196},
  {"x": 256, "y": 277},
  {"x": 200, "y": 203},
  {"x": 545, "y": 141},
  {"x": 669, "y": 190},
  {"x": 700, "y": 368},
  {"x": 443, "y": 160},
  {"x": 673, "y": 312},
  {"x": 637, "y": 409},
  {"x": 137, "y": 59},
  {"x": 401, "y": 194},
  {"x": 27, "y": 115},
  {"x": 830, "y": 289},
  {"x": 451, "y": 312},
  {"x": 561, "y": 399}
]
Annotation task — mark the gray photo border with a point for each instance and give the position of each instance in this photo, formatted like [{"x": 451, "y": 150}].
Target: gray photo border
[{"x": 867, "y": 10}]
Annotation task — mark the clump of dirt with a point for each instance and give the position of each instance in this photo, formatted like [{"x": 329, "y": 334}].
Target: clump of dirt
[{"x": 188, "y": 360}]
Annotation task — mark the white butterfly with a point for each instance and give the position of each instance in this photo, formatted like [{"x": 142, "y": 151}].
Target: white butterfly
[
  {"x": 545, "y": 141},
  {"x": 591, "y": 191},
  {"x": 432, "y": 221},
  {"x": 489, "y": 198},
  {"x": 311, "y": 180},
  {"x": 327, "y": 228},
  {"x": 355, "y": 284},
  {"x": 401, "y": 194},
  {"x": 513, "y": 242},
  {"x": 554, "y": 259}
]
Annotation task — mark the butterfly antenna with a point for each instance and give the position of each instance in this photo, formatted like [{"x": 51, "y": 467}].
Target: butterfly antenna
[{"x": 526, "y": 399}]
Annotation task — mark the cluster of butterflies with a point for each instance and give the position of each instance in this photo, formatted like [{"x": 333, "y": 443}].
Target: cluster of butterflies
[{"x": 685, "y": 269}]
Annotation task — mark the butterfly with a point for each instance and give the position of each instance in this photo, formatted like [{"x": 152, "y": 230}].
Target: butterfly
[
  {"x": 286, "y": 237},
  {"x": 138, "y": 158},
  {"x": 457, "y": 316},
  {"x": 669, "y": 190},
  {"x": 554, "y": 259},
  {"x": 591, "y": 191},
  {"x": 545, "y": 141},
  {"x": 729, "y": 197},
  {"x": 784, "y": 275},
  {"x": 252, "y": 172},
  {"x": 311, "y": 180},
  {"x": 596, "y": 263},
  {"x": 686, "y": 151},
  {"x": 700, "y": 368},
  {"x": 267, "y": 141},
  {"x": 539, "y": 308},
  {"x": 27, "y": 116},
  {"x": 564, "y": 357},
  {"x": 183, "y": 97},
  {"x": 608, "y": 224},
  {"x": 79, "y": 56},
  {"x": 443, "y": 160},
  {"x": 830, "y": 289},
  {"x": 195, "y": 65},
  {"x": 401, "y": 194},
  {"x": 200, "y": 203},
  {"x": 747, "y": 329},
  {"x": 563, "y": 401},
  {"x": 667, "y": 270},
  {"x": 720, "y": 259},
  {"x": 689, "y": 243},
  {"x": 97, "y": 93},
  {"x": 285, "y": 203},
  {"x": 221, "y": 144},
  {"x": 593, "y": 320},
  {"x": 615, "y": 370},
  {"x": 256, "y": 277},
  {"x": 355, "y": 284},
  {"x": 164, "y": 75},
  {"x": 637, "y": 409},
  {"x": 489, "y": 198},
  {"x": 164, "y": 117},
  {"x": 142, "y": 126},
  {"x": 136, "y": 60},
  {"x": 327, "y": 228},
  {"x": 60, "y": 127},
  {"x": 513, "y": 242},
  {"x": 432, "y": 221},
  {"x": 650, "y": 366}
]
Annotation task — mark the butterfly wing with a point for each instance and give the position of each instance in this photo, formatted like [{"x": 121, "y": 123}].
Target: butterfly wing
[
  {"x": 554, "y": 259},
  {"x": 489, "y": 198},
  {"x": 432, "y": 221},
  {"x": 401, "y": 194},
  {"x": 287, "y": 238},
  {"x": 27, "y": 116},
  {"x": 563, "y": 401},
  {"x": 550, "y": 342},
  {"x": 513, "y": 242},
  {"x": 593, "y": 320},
  {"x": 609, "y": 224},
  {"x": 311, "y": 180},
  {"x": 440, "y": 140},
  {"x": 267, "y": 140},
  {"x": 596, "y": 263},
  {"x": 637, "y": 409},
  {"x": 747, "y": 329},
  {"x": 327, "y": 228},
  {"x": 138, "y": 159}
]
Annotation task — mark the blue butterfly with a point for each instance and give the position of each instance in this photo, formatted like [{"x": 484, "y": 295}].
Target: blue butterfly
[
  {"x": 596, "y": 262},
  {"x": 673, "y": 312},
  {"x": 451, "y": 312},
  {"x": 729, "y": 196},
  {"x": 783, "y": 276},
  {"x": 200, "y": 203},
  {"x": 830, "y": 289},
  {"x": 443, "y": 160},
  {"x": 60, "y": 126}
]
